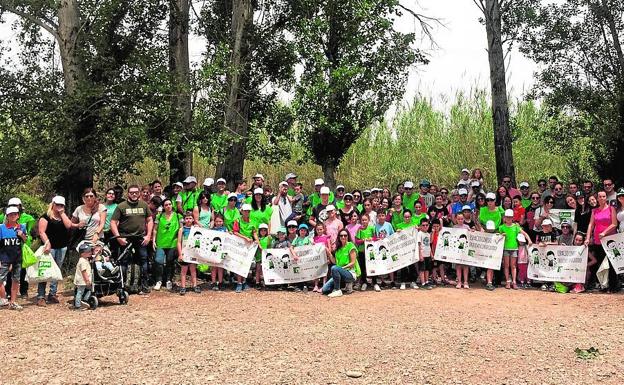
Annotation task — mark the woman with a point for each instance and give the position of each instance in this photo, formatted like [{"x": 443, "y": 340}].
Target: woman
[
  {"x": 110, "y": 203},
  {"x": 584, "y": 207},
  {"x": 165, "y": 237},
  {"x": 543, "y": 213},
  {"x": 333, "y": 224},
  {"x": 230, "y": 212},
  {"x": 620, "y": 210},
  {"x": 202, "y": 213},
  {"x": 245, "y": 228},
  {"x": 345, "y": 266},
  {"x": 260, "y": 211},
  {"x": 501, "y": 193},
  {"x": 603, "y": 222},
  {"x": 384, "y": 205},
  {"x": 53, "y": 230},
  {"x": 507, "y": 203},
  {"x": 479, "y": 201},
  {"x": 346, "y": 212},
  {"x": 357, "y": 200},
  {"x": 395, "y": 213},
  {"x": 90, "y": 215},
  {"x": 385, "y": 193},
  {"x": 368, "y": 210},
  {"x": 477, "y": 176}
]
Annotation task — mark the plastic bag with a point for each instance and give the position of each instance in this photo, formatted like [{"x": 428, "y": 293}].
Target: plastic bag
[
  {"x": 45, "y": 270},
  {"x": 28, "y": 256}
]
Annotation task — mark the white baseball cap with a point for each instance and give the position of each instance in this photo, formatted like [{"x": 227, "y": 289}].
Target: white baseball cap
[
  {"x": 263, "y": 226},
  {"x": 208, "y": 182},
  {"x": 340, "y": 187},
  {"x": 11, "y": 210},
  {"x": 490, "y": 195},
  {"x": 524, "y": 184},
  {"x": 258, "y": 176},
  {"x": 408, "y": 184},
  {"x": 178, "y": 184},
  {"x": 258, "y": 190},
  {"x": 319, "y": 182},
  {"x": 59, "y": 200},
  {"x": 292, "y": 222},
  {"x": 330, "y": 208},
  {"x": 290, "y": 175},
  {"x": 283, "y": 183},
  {"x": 466, "y": 207},
  {"x": 14, "y": 202},
  {"x": 246, "y": 207},
  {"x": 221, "y": 180},
  {"x": 546, "y": 222},
  {"x": 462, "y": 191},
  {"x": 190, "y": 179},
  {"x": 232, "y": 195},
  {"x": 465, "y": 170},
  {"x": 490, "y": 225},
  {"x": 509, "y": 213},
  {"x": 324, "y": 190}
]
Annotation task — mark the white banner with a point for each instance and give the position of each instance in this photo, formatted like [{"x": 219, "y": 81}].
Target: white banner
[
  {"x": 559, "y": 215},
  {"x": 557, "y": 263},
  {"x": 220, "y": 249},
  {"x": 279, "y": 265},
  {"x": 473, "y": 248},
  {"x": 613, "y": 246},
  {"x": 391, "y": 254}
]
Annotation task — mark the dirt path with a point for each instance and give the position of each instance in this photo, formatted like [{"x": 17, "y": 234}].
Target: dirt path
[{"x": 443, "y": 336}]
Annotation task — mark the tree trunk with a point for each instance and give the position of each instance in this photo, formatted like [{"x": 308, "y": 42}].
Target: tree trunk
[
  {"x": 231, "y": 162},
  {"x": 329, "y": 174},
  {"x": 500, "y": 106},
  {"x": 180, "y": 163}
]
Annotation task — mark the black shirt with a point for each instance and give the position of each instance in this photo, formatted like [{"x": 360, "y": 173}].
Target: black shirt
[{"x": 57, "y": 232}]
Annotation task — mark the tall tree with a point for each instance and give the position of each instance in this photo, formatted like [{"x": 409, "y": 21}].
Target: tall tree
[{"x": 355, "y": 64}]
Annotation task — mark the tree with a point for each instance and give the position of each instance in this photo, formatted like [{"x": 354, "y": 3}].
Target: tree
[{"x": 354, "y": 66}]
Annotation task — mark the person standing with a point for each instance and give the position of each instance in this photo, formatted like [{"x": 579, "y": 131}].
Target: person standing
[
  {"x": 187, "y": 198},
  {"x": 602, "y": 223},
  {"x": 90, "y": 215},
  {"x": 12, "y": 237}
]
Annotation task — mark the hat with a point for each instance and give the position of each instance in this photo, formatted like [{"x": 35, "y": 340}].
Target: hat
[
  {"x": 425, "y": 183},
  {"x": 490, "y": 225},
  {"x": 178, "y": 184},
  {"x": 84, "y": 247},
  {"x": 258, "y": 176},
  {"x": 283, "y": 183},
  {"x": 319, "y": 182},
  {"x": 208, "y": 182},
  {"x": 465, "y": 170},
  {"x": 348, "y": 195},
  {"x": 546, "y": 222},
  {"x": 463, "y": 191},
  {"x": 303, "y": 226},
  {"x": 620, "y": 192},
  {"x": 324, "y": 190},
  {"x": 58, "y": 200},
  {"x": 509, "y": 213},
  {"x": 232, "y": 195},
  {"x": 292, "y": 222},
  {"x": 246, "y": 207},
  {"x": 490, "y": 195},
  {"x": 366, "y": 192},
  {"x": 524, "y": 184},
  {"x": 11, "y": 210},
  {"x": 221, "y": 180},
  {"x": 565, "y": 222},
  {"x": 258, "y": 190},
  {"x": 263, "y": 226},
  {"x": 14, "y": 202},
  {"x": 330, "y": 208},
  {"x": 408, "y": 184},
  {"x": 340, "y": 187},
  {"x": 521, "y": 238},
  {"x": 290, "y": 175},
  {"x": 466, "y": 207},
  {"x": 282, "y": 230},
  {"x": 190, "y": 179}
]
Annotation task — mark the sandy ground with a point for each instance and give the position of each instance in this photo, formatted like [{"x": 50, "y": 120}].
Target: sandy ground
[{"x": 443, "y": 336}]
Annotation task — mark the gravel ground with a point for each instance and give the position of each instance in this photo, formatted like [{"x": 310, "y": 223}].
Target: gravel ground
[{"x": 443, "y": 336}]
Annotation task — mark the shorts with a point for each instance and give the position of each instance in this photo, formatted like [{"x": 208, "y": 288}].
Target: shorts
[
  {"x": 510, "y": 253},
  {"x": 15, "y": 273},
  {"x": 425, "y": 265}
]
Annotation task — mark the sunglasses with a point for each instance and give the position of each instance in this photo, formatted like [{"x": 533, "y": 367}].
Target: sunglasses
[
  {"x": 481, "y": 199},
  {"x": 348, "y": 198},
  {"x": 535, "y": 198},
  {"x": 444, "y": 192},
  {"x": 292, "y": 227},
  {"x": 490, "y": 200},
  {"x": 524, "y": 188},
  {"x": 506, "y": 181},
  {"x": 133, "y": 192},
  {"x": 232, "y": 199},
  {"x": 541, "y": 184},
  {"x": 344, "y": 235},
  {"x": 608, "y": 184},
  {"x": 89, "y": 196}
]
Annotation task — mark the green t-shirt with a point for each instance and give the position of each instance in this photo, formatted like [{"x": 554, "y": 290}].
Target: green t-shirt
[
  {"x": 301, "y": 241},
  {"x": 416, "y": 219},
  {"x": 486, "y": 215},
  {"x": 343, "y": 258},
  {"x": 188, "y": 199},
  {"x": 218, "y": 202},
  {"x": 525, "y": 202},
  {"x": 340, "y": 204},
  {"x": 259, "y": 216},
  {"x": 403, "y": 225},
  {"x": 409, "y": 201},
  {"x": 229, "y": 217},
  {"x": 315, "y": 200},
  {"x": 110, "y": 209},
  {"x": 167, "y": 230},
  {"x": 246, "y": 228},
  {"x": 397, "y": 217},
  {"x": 511, "y": 235},
  {"x": 366, "y": 233}
]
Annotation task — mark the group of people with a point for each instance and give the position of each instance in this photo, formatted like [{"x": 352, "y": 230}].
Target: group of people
[{"x": 156, "y": 221}]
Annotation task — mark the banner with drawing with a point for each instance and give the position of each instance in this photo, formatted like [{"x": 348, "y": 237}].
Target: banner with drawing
[
  {"x": 473, "y": 248},
  {"x": 279, "y": 266},
  {"x": 220, "y": 249},
  {"x": 613, "y": 246},
  {"x": 391, "y": 254},
  {"x": 559, "y": 215},
  {"x": 557, "y": 263}
]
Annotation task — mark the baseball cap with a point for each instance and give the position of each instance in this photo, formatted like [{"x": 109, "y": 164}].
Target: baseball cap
[
  {"x": 490, "y": 225},
  {"x": 366, "y": 192},
  {"x": 509, "y": 213},
  {"x": 340, "y": 187},
  {"x": 465, "y": 170},
  {"x": 59, "y": 200},
  {"x": 11, "y": 210},
  {"x": 521, "y": 238},
  {"x": 408, "y": 184},
  {"x": 490, "y": 195},
  {"x": 208, "y": 182},
  {"x": 475, "y": 183},
  {"x": 283, "y": 183},
  {"x": 324, "y": 190},
  {"x": 425, "y": 183},
  {"x": 246, "y": 207},
  {"x": 221, "y": 180},
  {"x": 462, "y": 191},
  {"x": 14, "y": 202},
  {"x": 258, "y": 190},
  {"x": 319, "y": 182},
  {"x": 282, "y": 230},
  {"x": 524, "y": 184},
  {"x": 330, "y": 208},
  {"x": 190, "y": 179},
  {"x": 84, "y": 247},
  {"x": 292, "y": 222},
  {"x": 290, "y": 175},
  {"x": 546, "y": 222},
  {"x": 303, "y": 226},
  {"x": 232, "y": 195},
  {"x": 565, "y": 222},
  {"x": 620, "y": 192},
  {"x": 258, "y": 176},
  {"x": 466, "y": 207},
  {"x": 348, "y": 195},
  {"x": 178, "y": 184},
  {"x": 263, "y": 226}
]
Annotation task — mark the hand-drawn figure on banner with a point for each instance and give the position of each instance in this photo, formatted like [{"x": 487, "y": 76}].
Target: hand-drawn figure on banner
[
  {"x": 383, "y": 252},
  {"x": 271, "y": 260},
  {"x": 463, "y": 239},
  {"x": 197, "y": 236},
  {"x": 613, "y": 247}
]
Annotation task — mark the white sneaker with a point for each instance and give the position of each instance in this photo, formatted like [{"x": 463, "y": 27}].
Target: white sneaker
[
  {"x": 364, "y": 286},
  {"x": 402, "y": 286},
  {"x": 157, "y": 285},
  {"x": 169, "y": 285},
  {"x": 335, "y": 293},
  {"x": 413, "y": 285},
  {"x": 376, "y": 287}
]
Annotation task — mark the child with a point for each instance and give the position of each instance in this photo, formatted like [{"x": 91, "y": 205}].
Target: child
[
  {"x": 490, "y": 227},
  {"x": 461, "y": 270},
  {"x": 579, "y": 240},
  {"x": 523, "y": 262},
  {"x": 282, "y": 242},
  {"x": 216, "y": 272},
  {"x": 245, "y": 228},
  {"x": 438, "y": 274},
  {"x": 321, "y": 238},
  {"x": 264, "y": 242},
  {"x": 12, "y": 236},
  {"x": 102, "y": 255},
  {"x": 83, "y": 277},
  {"x": 183, "y": 234},
  {"x": 365, "y": 233},
  {"x": 297, "y": 202},
  {"x": 510, "y": 252},
  {"x": 519, "y": 210},
  {"x": 424, "y": 260}
]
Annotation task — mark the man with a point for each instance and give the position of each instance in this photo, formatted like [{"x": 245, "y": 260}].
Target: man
[
  {"x": 410, "y": 196},
  {"x": 291, "y": 179},
  {"x": 132, "y": 223},
  {"x": 400, "y": 189},
  {"x": 551, "y": 187},
  {"x": 458, "y": 207},
  {"x": 541, "y": 186},
  {"x": 218, "y": 201},
  {"x": 609, "y": 188},
  {"x": 510, "y": 189},
  {"x": 187, "y": 198},
  {"x": 315, "y": 198},
  {"x": 319, "y": 212},
  {"x": 464, "y": 180},
  {"x": 208, "y": 182},
  {"x": 157, "y": 190},
  {"x": 29, "y": 222},
  {"x": 559, "y": 196},
  {"x": 258, "y": 182},
  {"x": 340, "y": 193},
  {"x": 572, "y": 188},
  {"x": 425, "y": 193},
  {"x": 588, "y": 188},
  {"x": 241, "y": 193},
  {"x": 525, "y": 194}
]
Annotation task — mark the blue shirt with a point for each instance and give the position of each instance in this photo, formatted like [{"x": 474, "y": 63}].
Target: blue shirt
[
  {"x": 457, "y": 206},
  {"x": 10, "y": 244},
  {"x": 383, "y": 231}
]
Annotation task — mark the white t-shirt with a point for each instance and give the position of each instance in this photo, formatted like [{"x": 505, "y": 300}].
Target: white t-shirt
[
  {"x": 92, "y": 221},
  {"x": 424, "y": 239}
]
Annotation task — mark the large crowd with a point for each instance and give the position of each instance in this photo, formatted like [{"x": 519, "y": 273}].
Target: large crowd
[{"x": 153, "y": 222}]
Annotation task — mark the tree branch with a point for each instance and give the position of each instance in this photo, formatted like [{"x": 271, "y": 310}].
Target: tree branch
[
  {"x": 426, "y": 22},
  {"x": 46, "y": 24}
]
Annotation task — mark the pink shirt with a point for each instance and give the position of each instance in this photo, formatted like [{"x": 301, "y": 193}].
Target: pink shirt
[
  {"x": 332, "y": 228},
  {"x": 353, "y": 229},
  {"x": 602, "y": 220}
]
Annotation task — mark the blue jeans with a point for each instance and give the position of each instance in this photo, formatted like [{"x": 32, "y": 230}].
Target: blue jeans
[
  {"x": 82, "y": 294},
  {"x": 59, "y": 256},
  {"x": 338, "y": 274}
]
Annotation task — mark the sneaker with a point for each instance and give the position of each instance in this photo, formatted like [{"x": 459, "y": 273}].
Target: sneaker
[
  {"x": 157, "y": 286},
  {"x": 169, "y": 285},
  {"x": 335, "y": 293},
  {"x": 41, "y": 302},
  {"x": 182, "y": 291},
  {"x": 578, "y": 288},
  {"x": 466, "y": 286},
  {"x": 356, "y": 286},
  {"x": 297, "y": 289},
  {"x": 115, "y": 271},
  {"x": 3, "y": 302},
  {"x": 53, "y": 299},
  {"x": 544, "y": 287},
  {"x": 196, "y": 289},
  {"x": 377, "y": 288},
  {"x": 413, "y": 285},
  {"x": 489, "y": 286},
  {"x": 239, "y": 287},
  {"x": 364, "y": 287},
  {"x": 245, "y": 286},
  {"x": 428, "y": 286},
  {"x": 349, "y": 287},
  {"x": 402, "y": 286},
  {"x": 458, "y": 286},
  {"x": 215, "y": 287}
]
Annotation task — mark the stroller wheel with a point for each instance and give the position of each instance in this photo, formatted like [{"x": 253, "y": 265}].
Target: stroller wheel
[
  {"x": 123, "y": 297},
  {"x": 93, "y": 302}
]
